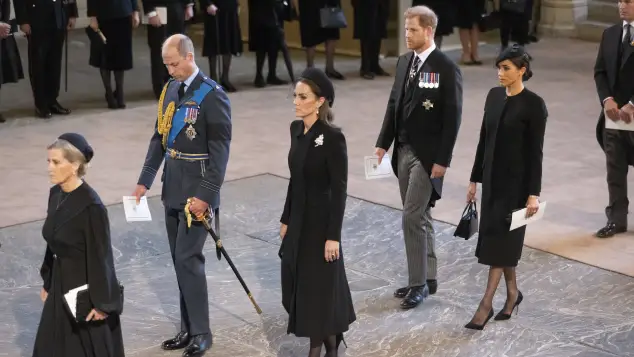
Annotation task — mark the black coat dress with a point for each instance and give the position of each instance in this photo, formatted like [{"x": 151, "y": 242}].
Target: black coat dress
[
  {"x": 370, "y": 19},
  {"x": 265, "y": 26},
  {"x": 78, "y": 252},
  {"x": 446, "y": 10},
  {"x": 223, "y": 35},
  {"x": 10, "y": 63},
  {"x": 310, "y": 30},
  {"x": 115, "y": 22},
  {"x": 508, "y": 163},
  {"x": 315, "y": 292}
]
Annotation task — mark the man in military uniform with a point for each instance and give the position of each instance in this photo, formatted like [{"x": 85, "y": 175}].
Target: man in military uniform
[
  {"x": 45, "y": 23},
  {"x": 193, "y": 134}
]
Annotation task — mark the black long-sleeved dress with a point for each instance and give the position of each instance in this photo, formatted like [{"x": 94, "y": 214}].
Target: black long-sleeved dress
[
  {"x": 78, "y": 252},
  {"x": 508, "y": 163},
  {"x": 315, "y": 293}
]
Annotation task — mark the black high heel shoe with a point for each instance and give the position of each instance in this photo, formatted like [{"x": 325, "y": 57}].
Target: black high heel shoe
[
  {"x": 473, "y": 326},
  {"x": 501, "y": 316},
  {"x": 340, "y": 339}
]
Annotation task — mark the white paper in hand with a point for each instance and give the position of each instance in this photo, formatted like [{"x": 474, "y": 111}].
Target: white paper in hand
[
  {"x": 71, "y": 298},
  {"x": 375, "y": 171},
  {"x": 618, "y": 125},
  {"x": 518, "y": 218},
  {"x": 134, "y": 212}
]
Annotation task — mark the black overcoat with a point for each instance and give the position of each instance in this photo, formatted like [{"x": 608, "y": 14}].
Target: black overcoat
[
  {"x": 10, "y": 62},
  {"x": 223, "y": 35},
  {"x": 508, "y": 163},
  {"x": 78, "y": 252},
  {"x": 370, "y": 19},
  {"x": 315, "y": 292}
]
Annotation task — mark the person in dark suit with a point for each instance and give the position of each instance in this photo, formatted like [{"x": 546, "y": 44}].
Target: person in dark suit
[
  {"x": 10, "y": 62},
  {"x": 422, "y": 119},
  {"x": 508, "y": 163},
  {"x": 178, "y": 11},
  {"x": 223, "y": 37},
  {"x": 315, "y": 290},
  {"x": 115, "y": 19},
  {"x": 613, "y": 73},
  {"x": 446, "y": 11},
  {"x": 267, "y": 38},
  {"x": 45, "y": 23},
  {"x": 78, "y": 253},
  {"x": 370, "y": 27},
  {"x": 193, "y": 133}
]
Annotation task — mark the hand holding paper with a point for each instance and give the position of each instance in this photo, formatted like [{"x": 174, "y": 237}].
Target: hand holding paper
[
  {"x": 376, "y": 170},
  {"x": 136, "y": 212},
  {"x": 519, "y": 218}
]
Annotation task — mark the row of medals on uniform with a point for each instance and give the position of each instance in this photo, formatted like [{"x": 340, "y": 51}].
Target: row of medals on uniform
[{"x": 426, "y": 80}]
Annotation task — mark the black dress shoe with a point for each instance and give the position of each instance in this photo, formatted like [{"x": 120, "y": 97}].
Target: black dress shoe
[
  {"x": 259, "y": 81},
  {"x": 181, "y": 340},
  {"x": 331, "y": 73},
  {"x": 433, "y": 286},
  {"x": 120, "y": 102},
  {"x": 610, "y": 230},
  {"x": 229, "y": 88},
  {"x": 198, "y": 346},
  {"x": 401, "y": 292},
  {"x": 56, "y": 108},
  {"x": 43, "y": 113},
  {"x": 275, "y": 81},
  {"x": 380, "y": 72},
  {"x": 415, "y": 296},
  {"x": 366, "y": 74},
  {"x": 2, "y": 119},
  {"x": 473, "y": 326}
]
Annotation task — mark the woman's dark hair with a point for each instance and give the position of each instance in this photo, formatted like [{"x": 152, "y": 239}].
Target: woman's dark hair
[
  {"x": 325, "y": 112},
  {"x": 520, "y": 59}
]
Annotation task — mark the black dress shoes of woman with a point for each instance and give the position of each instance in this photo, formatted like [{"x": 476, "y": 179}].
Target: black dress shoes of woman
[
  {"x": 504, "y": 316},
  {"x": 473, "y": 326}
]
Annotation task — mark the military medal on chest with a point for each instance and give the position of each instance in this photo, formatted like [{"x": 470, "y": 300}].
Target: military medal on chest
[
  {"x": 191, "y": 115},
  {"x": 429, "y": 80}
]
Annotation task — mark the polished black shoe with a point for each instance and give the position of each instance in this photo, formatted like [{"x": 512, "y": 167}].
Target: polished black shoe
[
  {"x": 380, "y": 72},
  {"x": 473, "y": 326},
  {"x": 501, "y": 316},
  {"x": 43, "y": 113},
  {"x": 259, "y": 82},
  {"x": 433, "y": 286},
  {"x": 610, "y": 230},
  {"x": 401, "y": 292},
  {"x": 331, "y": 73},
  {"x": 275, "y": 81},
  {"x": 198, "y": 346},
  {"x": 56, "y": 108},
  {"x": 181, "y": 340},
  {"x": 228, "y": 87},
  {"x": 414, "y": 297}
]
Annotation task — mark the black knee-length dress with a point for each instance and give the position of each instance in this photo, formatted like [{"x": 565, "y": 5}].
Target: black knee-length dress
[
  {"x": 508, "y": 163},
  {"x": 223, "y": 35},
  {"x": 310, "y": 30}
]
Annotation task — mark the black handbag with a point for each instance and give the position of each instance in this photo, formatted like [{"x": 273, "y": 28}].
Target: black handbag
[
  {"x": 516, "y": 6},
  {"x": 286, "y": 10},
  {"x": 468, "y": 225},
  {"x": 489, "y": 22},
  {"x": 332, "y": 18}
]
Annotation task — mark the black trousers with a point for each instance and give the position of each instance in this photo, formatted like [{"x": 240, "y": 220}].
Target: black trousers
[
  {"x": 617, "y": 144},
  {"x": 45, "y": 48},
  {"x": 155, "y": 38},
  {"x": 370, "y": 52},
  {"x": 514, "y": 24},
  {"x": 186, "y": 246}
]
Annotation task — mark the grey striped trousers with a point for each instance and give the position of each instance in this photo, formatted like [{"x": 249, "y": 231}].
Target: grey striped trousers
[{"x": 418, "y": 229}]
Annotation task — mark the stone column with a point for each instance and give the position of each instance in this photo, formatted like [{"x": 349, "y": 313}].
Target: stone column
[
  {"x": 400, "y": 32},
  {"x": 559, "y": 17}
]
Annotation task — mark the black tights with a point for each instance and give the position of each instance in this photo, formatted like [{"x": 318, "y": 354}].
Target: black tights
[
  {"x": 106, "y": 77},
  {"x": 260, "y": 57},
  {"x": 226, "y": 66},
  {"x": 331, "y": 346}
]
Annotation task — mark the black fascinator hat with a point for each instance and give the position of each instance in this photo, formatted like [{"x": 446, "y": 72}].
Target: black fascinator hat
[
  {"x": 322, "y": 81},
  {"x": 519, "y": 57},
  {"x": 78, "y": 141}
]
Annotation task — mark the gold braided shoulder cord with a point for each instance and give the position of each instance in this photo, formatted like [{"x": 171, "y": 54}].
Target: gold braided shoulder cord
[{"x": 165, "y": 119}]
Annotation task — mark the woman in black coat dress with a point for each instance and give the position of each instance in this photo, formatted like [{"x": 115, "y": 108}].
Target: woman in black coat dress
[
  {"x": 508, "y": 163},
  {"x": 315, "y": 290},
  {"x": 115, "y": 19},
  {"x": 78, "y": 254},
  {"x": 10, "y": 62},
  {"x": 370, "y": 28}
]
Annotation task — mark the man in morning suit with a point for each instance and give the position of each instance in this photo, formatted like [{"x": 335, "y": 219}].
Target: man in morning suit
[
  {"x": 178, "y": 11},
  {"x": 45, "y": 23},
  {"x": 422, "y": 120},
  {"x": 614, "y": 78},
  {"x": 196, "y": 150}
]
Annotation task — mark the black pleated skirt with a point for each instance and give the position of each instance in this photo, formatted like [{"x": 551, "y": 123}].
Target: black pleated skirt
[
  {"x": 10, "y": 61},
  {"x": 223, "y": 35},
  {"x": 116, "y": 54}
]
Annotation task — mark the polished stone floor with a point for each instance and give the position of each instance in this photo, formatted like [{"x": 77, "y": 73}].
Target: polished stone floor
[{"x": 570, "y": 309}]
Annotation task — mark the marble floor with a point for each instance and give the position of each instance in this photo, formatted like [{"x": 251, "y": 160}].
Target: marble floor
[{"x": 570, "y": 309}]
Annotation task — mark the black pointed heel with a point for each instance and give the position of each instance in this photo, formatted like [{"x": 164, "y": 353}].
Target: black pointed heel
[
  {"x": 502, "y": 316},
  {"x": 473, "y": 326}
]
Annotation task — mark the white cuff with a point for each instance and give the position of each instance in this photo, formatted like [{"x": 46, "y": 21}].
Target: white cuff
[{"x": 152, "y": 14}]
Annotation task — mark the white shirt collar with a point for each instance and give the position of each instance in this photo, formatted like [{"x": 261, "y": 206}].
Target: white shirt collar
[
  {"x": 423, "y": 55},
  {"x": 189, "y": 80}
]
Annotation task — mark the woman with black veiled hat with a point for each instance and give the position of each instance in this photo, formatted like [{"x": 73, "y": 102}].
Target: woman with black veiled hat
[
  {"x": 508, "y": 163},
  {"x": 78, "y": 253},
  {"x": 315, "y": 290}
]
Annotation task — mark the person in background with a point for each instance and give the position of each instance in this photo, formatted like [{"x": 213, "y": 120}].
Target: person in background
[
  {"x": 223, "y": 38},
  {"x": 115, "y": 19},
  {"x": 515, "y": 23},
  {"x": 370, "y": 27},
  {"x": 315, "y": 290},
  {"x": 266, "y": 38},
  {"x": 508, "y": 164},
  {"x": 445, "y": 10},
  {"x": 78, "y": 253},
  {"x": 10, "y": 62},
  {"x": 45, "y": 24},
  {"x": 467, "y": 20},
  {"x": 177, "y": 12}
]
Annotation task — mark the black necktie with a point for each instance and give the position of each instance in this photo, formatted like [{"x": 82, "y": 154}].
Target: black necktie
[
  {"x": 413, "y": 70},
  {"x": 628, "y": 37},
  {"x": 181, "y": 91}
]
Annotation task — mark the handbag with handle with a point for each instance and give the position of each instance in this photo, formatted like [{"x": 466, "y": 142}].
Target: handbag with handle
[
  {"x": 468, "y": 225},
  {"x": 516, "y": 6},
  {"x": 332, "y": 17}
]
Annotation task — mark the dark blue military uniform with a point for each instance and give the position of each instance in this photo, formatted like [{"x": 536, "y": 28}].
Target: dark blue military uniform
[{"x": 196, "y": 152}]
